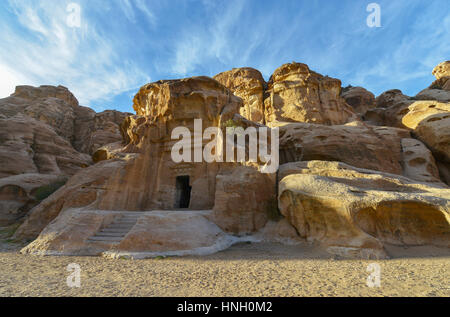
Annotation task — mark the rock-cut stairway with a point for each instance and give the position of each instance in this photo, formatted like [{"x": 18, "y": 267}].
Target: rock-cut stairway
[{"x": 117, "y": 230}]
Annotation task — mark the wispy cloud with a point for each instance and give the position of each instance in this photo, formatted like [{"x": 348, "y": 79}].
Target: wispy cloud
[
  {"x": 45, "y": 50},
  {"x": 122, "y": 43}
]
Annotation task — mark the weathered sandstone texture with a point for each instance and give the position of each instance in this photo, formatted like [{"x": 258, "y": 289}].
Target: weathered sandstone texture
[
  {"x": 155, "y": 233},
  {"x": 358, "y": 210},
  {"x": 428, "y": 120},
  {"x": 46, "y": 136},
  {"x": 142, "y": 175},
  {"x": 358, "y": 173},
  {"x": 359, "y": 99},
  {"x": 249, "y": 85},
  {"x": 382, "y": 149},
  {"x": 18, "y": 195},
  {"x": 442, "y": 70},
  {"x": 297, "y": 94}
]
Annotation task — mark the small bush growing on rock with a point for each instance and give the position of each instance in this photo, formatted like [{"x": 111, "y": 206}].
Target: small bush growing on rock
[
  {"x": 436, "y": 86},
  {"x": 345, "y": 89},
  {"x": 231, "y": 124},
  {"x": 45, "y": 191}
]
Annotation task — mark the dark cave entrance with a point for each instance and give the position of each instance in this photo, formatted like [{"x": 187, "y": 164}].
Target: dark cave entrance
[{"x": 183, "y": 192}]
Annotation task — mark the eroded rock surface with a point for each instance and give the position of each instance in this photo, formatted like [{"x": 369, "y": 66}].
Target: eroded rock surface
[
  {"x": 143, "y": 176},
  {"x": 346, "y": 207},
  {"x": 297, "y": 94},
  {"x": 360, "y": 145},
  {"x": 359, "y": 98},
  {"x": 45, "y": 135},
  {"x": 249, "y": 85},
  {"x": 351, "y": 185}
]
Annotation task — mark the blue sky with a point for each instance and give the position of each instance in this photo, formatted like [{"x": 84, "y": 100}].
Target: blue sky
[{"x": 124, "y": 44}]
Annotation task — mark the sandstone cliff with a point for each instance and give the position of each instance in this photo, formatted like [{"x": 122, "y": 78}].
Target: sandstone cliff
[
  {"x": 358, "y": 172},
  {"x": 46, "y": 135}
]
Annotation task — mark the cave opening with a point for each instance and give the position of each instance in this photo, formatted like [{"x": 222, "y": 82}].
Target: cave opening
[{"x": 183, "y": 192}]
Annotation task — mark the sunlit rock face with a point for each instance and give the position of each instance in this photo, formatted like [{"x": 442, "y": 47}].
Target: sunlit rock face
[
  {"x": 349, "y": 208},
  {"x": 428, "y": 121},
  {"x": 297, "y": 94},
  {"x": 142, "y": 175},
  {"x": 442, "y": 70},
  {"x": 249, "y": 85},
  {"x": 358, "y": 173}
]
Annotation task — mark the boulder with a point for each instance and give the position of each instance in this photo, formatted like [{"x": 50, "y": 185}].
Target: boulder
[
  {"x": 434, "y": 94},
  {"x": 351, "y": 209},
  {"x": 428, "y": 121},
  {"x": 297, "y": 94},
  {"x": 241, "y": 204},
  {"x": 248, "y": 84},
  {"x": 442, "y": 70},
  {"x": 418, "y": 162},
  {"x": 359, "y": 99},
  {"x": 361, "y": 145}
]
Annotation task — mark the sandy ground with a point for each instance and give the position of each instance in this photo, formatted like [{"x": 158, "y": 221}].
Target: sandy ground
[{"x": 243, "y": 270}]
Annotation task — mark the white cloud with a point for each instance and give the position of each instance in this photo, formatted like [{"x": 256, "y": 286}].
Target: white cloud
[
  {"x": 9, "y": 80},
  {"x": 53, "y": 53}
]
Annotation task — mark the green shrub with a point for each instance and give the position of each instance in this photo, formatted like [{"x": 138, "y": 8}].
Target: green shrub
[
  {"x": 45, "y": 191},
  {"x": 345, "y": 89},
  {"x": 435, "y": 86},
  {"x": 231, "y": 124}
]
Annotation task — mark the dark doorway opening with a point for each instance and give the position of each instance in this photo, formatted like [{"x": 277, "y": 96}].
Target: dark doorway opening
[{"x": 183, "y": 192}]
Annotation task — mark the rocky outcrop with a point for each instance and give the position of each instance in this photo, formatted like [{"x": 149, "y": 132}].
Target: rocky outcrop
[
  {"x": 104, "y": 128},
  {"x": 384, "y": 149},
  {"x": 20, "y": 193},
  {"x": 45, "y": 136},
  {"x": 243, "y": 199},
  {"x": 442, "y": 70},
  {"x": 249, "y": 85},
  {"x": 297, "y": 94},
  {"x": 32, "y": 94},
  {"x": 439, "y": 89},
  {"x": 155, "y": 233},
  {"x": 360, "y": 99},
  {"x": 143, "y": 176},
  {"x": 428, "y": 120},
  {"x": 377, "y": 148},
  {"x": 58, "y": 108},
  {"x": 418, "y": 162},
  {"x": 82, "y": 190},
  {"x": 355, "y": 210},
  {"x": 31, "y": 146},
  {"x": 349, "y": 184},
  {"x": 435, "y": 94}
]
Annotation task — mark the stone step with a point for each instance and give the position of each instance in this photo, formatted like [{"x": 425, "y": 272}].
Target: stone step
[
  {"x": 106, "y": 239},
  {"x": 120, "y": 225},
  {"x": 111, "y": 234},
  {"x": 112, "y": 230},
  {"x": 116, "y": 231}
]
